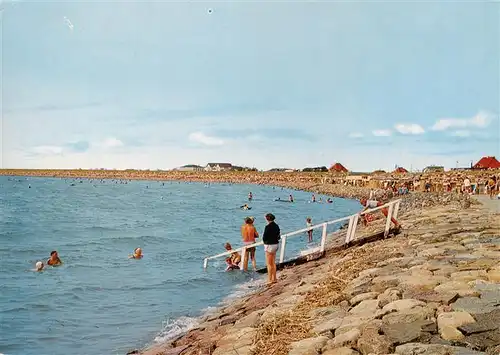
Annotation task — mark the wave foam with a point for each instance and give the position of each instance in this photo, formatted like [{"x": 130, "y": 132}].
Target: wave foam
[
  {"x": 243, "y": 289},
  {"x": 172, "y": 329}
]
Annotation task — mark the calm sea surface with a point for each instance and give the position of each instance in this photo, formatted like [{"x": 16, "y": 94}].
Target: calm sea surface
[{"x": 99, "y": 301}]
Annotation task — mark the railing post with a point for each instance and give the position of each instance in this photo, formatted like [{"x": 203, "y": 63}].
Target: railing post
[
  {"x": 388, "y": 222},
  {"x": 244, "y": 257},
  {"x": 205, "y": 263},
  {"x": 282, "y": 250},
  {"x": 353, "y": 227},
  {"x": 351, "y": 219},
  {"x": 396, "y": 209},
  {"x": 323, "y": 238}
]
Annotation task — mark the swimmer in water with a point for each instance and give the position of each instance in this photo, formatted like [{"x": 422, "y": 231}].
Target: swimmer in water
[
  {"x": 54, "y": 259},
  {"x": 290, "y": 198},
  {"x": 250, "y": 196},
  {"x": 137, "y": 254},
  {"x": 234, "y": 260},
  {"x": 245, "y": 207},
  {"x": 39, "y": 266}
]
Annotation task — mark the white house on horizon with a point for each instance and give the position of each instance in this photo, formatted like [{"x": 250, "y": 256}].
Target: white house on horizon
[{"x": 218, "y": 167}]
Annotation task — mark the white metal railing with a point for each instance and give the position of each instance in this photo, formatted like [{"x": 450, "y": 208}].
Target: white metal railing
[{"x": 392, "y": 206}]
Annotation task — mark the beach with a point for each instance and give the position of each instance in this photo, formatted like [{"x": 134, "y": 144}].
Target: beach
[{"x": 433, "y": 289}]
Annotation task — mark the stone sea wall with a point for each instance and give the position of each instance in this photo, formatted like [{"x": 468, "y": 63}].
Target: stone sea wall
[{"x": 433, "y": 289}]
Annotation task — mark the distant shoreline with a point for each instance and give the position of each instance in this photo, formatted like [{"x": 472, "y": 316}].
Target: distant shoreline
[{"x": 314, "y": 182}]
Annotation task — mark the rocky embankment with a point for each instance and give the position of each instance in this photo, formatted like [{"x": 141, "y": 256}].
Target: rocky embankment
[{"x": 433, "y": 289}]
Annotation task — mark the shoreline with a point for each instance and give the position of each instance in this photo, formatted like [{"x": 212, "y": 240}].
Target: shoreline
[
  {"x": 309, "y": 294},
  {"x": 309, "y": 182}
]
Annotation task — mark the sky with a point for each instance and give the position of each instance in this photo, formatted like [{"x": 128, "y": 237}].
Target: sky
[{"x": 157, "y": 85}]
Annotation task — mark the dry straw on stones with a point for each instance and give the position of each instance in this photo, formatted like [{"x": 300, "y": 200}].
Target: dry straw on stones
[{"x": 276, "y": 333}]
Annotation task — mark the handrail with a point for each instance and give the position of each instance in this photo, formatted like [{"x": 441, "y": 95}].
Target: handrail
[{"x": 351, "y": 230}]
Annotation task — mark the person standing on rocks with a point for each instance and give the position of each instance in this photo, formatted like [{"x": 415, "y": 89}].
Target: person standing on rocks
[{"x": 271, "y": 238}]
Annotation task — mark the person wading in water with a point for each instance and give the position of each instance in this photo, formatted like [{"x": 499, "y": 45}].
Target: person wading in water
[{"x": 248, "y": 234}]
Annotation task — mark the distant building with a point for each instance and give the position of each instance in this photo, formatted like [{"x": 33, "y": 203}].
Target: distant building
[
  {"x": 190, "y": 167},
  {"x": 400, "y": 170},
  {"x": 487, "y": 163},
  {"x": 322, "y": 169},
  {"x": 283, "y": 170},
  {"x": 433, "y": 169},
  {"x": 218, "y": 167},
  {"x": 338, "y": 168}
]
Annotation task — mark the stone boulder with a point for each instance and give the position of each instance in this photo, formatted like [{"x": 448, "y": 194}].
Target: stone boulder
[
  {"x": 309, "y": 346},
  {"x": 367, "y": 307},
  {"x": 450, "y": 321},
  {"x": 347, "y": 339},
  {"x": 371, "y": 342},
  {"x": 362, "y": 297},
  {"x": 433, "y": 349}
]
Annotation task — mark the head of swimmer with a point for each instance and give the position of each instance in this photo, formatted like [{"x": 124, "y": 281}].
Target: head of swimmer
[
  {"x": 228, "y": 246},
  {"x": 39, "y": 266},
  {"x": 363, "y": 201},
  {"x": 54, "y": 257},
  {"x": 137, "y": 253}
]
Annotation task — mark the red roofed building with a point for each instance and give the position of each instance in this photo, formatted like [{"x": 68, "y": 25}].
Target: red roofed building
[
  {"x": 400, "y": 170},
  {"x": 487, "y": 163},
  {"x": 338, "y": 168}
]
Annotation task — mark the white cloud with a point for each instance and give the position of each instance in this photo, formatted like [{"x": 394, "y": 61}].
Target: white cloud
[
  {"x": 68, "y": 23},
  {"x": 112, "y": 142},
  {"x": 202, "y": 138},
  {"x": 48, "y": 150},
  {"x": 481, "y": 120},
  {"x": 382, "y": 132},
  {"x": 409, "y": 128},
  {"x": 356, "y": 135},
  {"x": 461, "y": 133}
]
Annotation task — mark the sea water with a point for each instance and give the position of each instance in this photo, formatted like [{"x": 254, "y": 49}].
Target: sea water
[{"x": 101, "y": 302}]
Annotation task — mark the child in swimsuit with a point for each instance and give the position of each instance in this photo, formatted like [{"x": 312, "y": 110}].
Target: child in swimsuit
[{"x": 234, "y": 260}]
